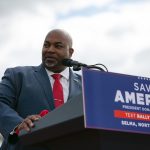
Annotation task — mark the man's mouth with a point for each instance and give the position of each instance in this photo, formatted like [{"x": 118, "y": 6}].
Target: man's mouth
[
  {"x": 50, "y": 57},
  {"x": 50, "y": 61}
]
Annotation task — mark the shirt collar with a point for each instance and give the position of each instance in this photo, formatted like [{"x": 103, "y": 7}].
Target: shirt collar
[{"x": 64, "y": 73}]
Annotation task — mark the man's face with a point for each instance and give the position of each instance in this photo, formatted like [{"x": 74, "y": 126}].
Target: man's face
[{"x": 55, "y": 49}]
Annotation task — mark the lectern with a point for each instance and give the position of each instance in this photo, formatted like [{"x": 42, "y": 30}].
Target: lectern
[
  {"x": 63, "y": 129},
  {"x": 100, "y": 125}
]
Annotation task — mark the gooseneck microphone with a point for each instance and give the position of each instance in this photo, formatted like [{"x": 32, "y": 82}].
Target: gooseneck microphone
[
  {"x": 70, "y": 63},
  {"x": 77, "y": 65}
]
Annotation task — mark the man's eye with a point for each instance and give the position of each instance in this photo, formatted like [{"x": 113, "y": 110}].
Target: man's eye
[
  {"x": 46, "y": 45},
  {"x": 59, "y": 46}
]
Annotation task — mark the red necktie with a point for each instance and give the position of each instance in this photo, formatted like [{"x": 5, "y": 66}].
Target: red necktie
[{"x": 57, "y": 90}]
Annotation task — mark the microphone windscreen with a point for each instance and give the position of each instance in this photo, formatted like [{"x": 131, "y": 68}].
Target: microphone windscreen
[{"x": 67, "y": 62}]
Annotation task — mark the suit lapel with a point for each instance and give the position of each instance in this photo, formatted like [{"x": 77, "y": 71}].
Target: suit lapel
[
  {"x": 74, "y": 85},
  {"x": 43, "y": 79}
]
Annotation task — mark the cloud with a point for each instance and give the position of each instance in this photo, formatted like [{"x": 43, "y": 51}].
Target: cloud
[
  {"x": 113, "y": 37},
  {"x": 111, "y": 32},
  {"x": 141, "y": 61},
  {"x": 8, "y": 7}
]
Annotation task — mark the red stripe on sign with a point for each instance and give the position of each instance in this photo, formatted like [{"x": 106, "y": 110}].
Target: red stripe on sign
[{"x": 131, "y": 115}]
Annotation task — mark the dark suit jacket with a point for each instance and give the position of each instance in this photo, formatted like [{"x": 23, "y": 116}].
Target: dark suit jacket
[{"x": 26, "y": 91}]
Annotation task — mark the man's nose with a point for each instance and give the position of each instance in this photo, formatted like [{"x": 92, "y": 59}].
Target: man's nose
[{"x": 51, "y": 49}]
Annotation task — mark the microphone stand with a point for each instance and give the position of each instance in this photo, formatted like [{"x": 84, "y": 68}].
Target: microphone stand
[{"x": 78, "y": 67}]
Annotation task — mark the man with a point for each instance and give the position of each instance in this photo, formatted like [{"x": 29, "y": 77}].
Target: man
[{"x": 26, "y": 91}]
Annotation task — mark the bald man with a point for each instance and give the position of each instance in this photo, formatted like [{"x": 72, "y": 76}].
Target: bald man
[{"x": 26, "y": 91}]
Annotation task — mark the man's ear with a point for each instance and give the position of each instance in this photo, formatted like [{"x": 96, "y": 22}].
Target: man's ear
[{"x": 71, "y": 51}]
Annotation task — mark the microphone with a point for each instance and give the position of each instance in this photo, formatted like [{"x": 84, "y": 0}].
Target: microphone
[
  {"x": 77, "y": 65},
  {"x": 71, "y": 63}
]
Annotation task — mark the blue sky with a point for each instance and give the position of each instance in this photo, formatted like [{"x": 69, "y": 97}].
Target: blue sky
[{"x": 93, "y": 9}]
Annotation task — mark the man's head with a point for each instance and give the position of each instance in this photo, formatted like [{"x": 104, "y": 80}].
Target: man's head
[{"x": 57, "y": 46}]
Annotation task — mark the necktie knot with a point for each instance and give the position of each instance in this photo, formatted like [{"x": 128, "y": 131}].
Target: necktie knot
[{"x": 56, "y": 76}]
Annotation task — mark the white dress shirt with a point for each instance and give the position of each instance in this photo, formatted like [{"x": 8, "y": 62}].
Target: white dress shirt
[{"x": 64, "y": 80}]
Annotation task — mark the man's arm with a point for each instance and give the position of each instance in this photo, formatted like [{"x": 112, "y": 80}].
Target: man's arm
[{"x": 9, "y": 118}]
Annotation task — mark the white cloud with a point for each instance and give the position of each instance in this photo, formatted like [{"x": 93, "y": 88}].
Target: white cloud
[
  {"x": 113, "y": 37},
  {"x": 66, "y": 6}
]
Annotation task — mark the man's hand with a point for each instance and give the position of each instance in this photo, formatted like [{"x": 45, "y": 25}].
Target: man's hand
[{"x": 28, "y": 123}]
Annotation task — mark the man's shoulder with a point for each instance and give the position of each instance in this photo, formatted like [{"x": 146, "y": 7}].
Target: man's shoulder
[{"x": 23, "y": 68}]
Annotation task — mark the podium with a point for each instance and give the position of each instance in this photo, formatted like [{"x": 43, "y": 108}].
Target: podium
[{"x": 64, "y": 128}]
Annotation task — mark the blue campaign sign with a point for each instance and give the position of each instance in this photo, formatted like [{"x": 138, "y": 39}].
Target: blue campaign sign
[{"x": 115, "y": 101}]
